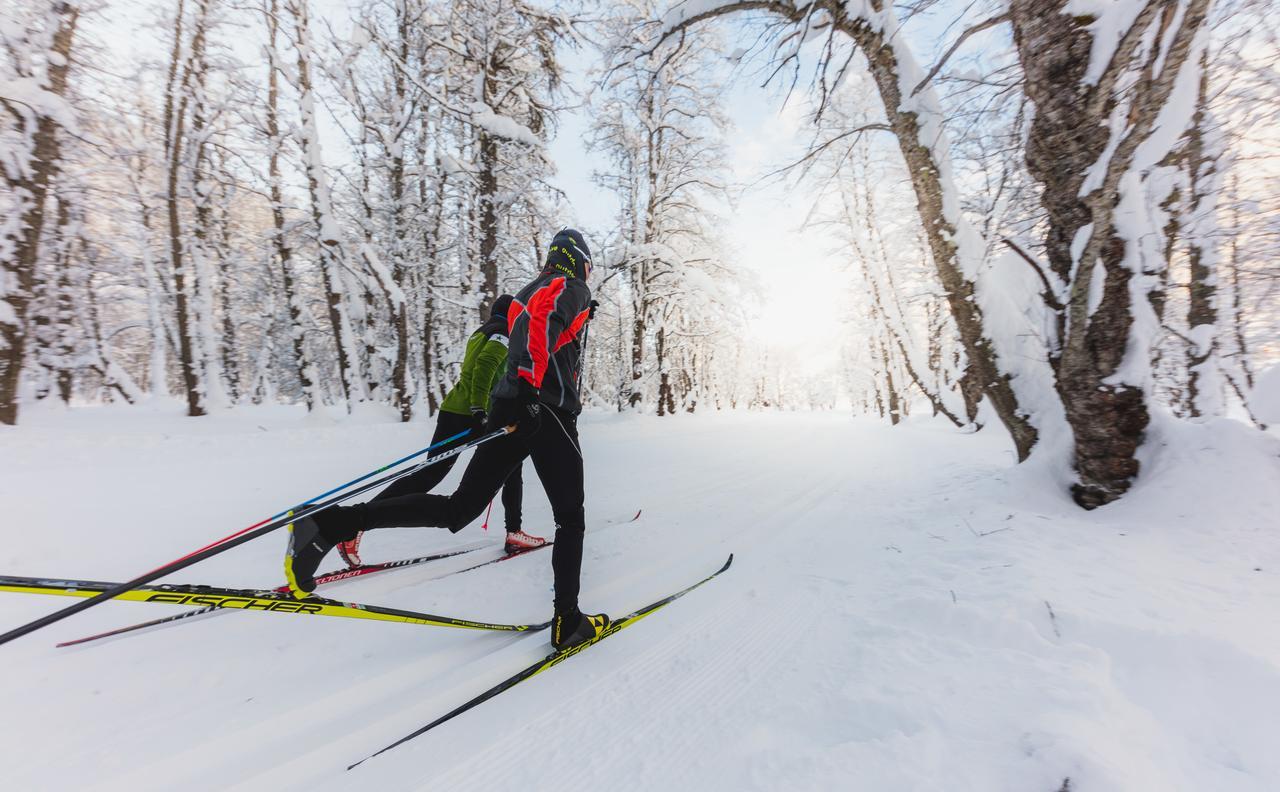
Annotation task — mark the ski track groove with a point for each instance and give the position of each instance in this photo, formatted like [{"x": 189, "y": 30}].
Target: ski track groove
[
  {"x": 770, "y": 638},
  {"x": 655, "y": 721},
  {"x": 260, "y": 744},
  {"x": 327, "y": 744}
]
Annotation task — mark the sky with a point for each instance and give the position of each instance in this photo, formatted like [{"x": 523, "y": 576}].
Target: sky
[{"x": 802, "y": 283}]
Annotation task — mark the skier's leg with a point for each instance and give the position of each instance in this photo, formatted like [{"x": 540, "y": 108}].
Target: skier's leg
[
  {"x": 447, "y": 425},
  {"x": 559, "y": 464},
  {"x": 558, "y": 460},
  {"x": 490, "y": 466},
  {"x": 512, "y": 495},
  {"x": 512, "y": 499}
]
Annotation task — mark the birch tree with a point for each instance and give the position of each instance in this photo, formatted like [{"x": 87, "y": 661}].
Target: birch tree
[
  {"x": 327, "y": 231},
  {"x": 38, "y": 43}
]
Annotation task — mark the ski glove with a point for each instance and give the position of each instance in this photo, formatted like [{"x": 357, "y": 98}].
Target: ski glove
[
  {"x": 478, "y": 420},
  {"x": 591, "y": 309},
  {"x": 529, "y": 414},
  {"x": 525, "y": 411}
]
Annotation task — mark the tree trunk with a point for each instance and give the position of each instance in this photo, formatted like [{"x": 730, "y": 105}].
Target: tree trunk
[
  {"x": 1068, "y": 140},
  {"x": 176, "y": 102},
  {"x": 666, "y": 398},
  {"x": 639, "y": 327},
  {"x": 487, "y": 181},
  {"x": 284, "y": 252},
  {"x": 32, "y": 186},
  {"x": 328, "y": 234},
  {"x": 1203, "y": 387}
]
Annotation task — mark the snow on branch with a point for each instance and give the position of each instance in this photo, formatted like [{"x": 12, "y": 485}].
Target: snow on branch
[{"x": 502, "y": 126}]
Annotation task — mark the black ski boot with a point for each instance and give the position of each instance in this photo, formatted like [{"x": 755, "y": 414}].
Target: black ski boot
[
  {"x": 575, "y": 627},
  {"x": 307, "y": 548}
]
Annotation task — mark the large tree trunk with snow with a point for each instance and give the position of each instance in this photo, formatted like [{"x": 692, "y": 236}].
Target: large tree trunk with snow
[
  {"x": 941, "y": 223},
  {"x": 28, "y": 184},
  {"x": 1091, "y": 118}
]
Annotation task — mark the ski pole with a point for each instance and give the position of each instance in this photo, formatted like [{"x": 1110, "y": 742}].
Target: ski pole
[
  {"x": 240, "y": 538},
  {"x": 321, "y": 496},
  {"x": 582, "y": 361}
]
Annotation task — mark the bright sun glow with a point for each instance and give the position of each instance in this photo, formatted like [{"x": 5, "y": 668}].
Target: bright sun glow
[{"x": 804, "y": 286}]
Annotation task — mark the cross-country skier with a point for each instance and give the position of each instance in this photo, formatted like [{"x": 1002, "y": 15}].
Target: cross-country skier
[
  {"x": 466, "y": 407},
  {"x": 539, "y": 396}
]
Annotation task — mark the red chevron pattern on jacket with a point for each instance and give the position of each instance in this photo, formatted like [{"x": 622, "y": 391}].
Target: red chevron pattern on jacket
[{"x": 545, "y": 318}]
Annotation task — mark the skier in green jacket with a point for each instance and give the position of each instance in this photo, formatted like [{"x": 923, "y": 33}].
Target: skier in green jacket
[{"x": 467, "y": 407}]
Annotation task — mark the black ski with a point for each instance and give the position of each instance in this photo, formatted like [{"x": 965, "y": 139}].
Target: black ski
[{"x": 553, "y": 659}]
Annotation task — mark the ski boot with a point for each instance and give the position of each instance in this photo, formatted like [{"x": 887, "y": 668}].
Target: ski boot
[
  {"x": 575, "y": 627},
  {"x": 350, "y": 551},
  {"x": 307, "y": 548},
  {"x": 519, "y": 541}
]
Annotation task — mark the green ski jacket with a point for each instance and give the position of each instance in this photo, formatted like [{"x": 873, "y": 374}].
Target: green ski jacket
[{"x": 483, "y": 365}]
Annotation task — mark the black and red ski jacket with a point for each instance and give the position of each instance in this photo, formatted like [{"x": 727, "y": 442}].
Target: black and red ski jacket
[{"x": 544, "y": 324}]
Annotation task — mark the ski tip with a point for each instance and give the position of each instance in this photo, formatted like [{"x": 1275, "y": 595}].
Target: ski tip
[{"x": 638, "y": 511}]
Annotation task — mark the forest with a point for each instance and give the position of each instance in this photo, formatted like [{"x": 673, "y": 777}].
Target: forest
[{"x": 1059, "y": 221}]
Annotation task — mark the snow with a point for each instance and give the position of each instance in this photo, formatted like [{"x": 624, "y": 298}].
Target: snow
[
  {"x": 1112, "y": 19},
  {"x": 686, "y": 10},
  {"x": 1265, "y": 399},
  {"x": 906, "y": 612},
  {"x": 502, "y": 126},
  {"x": 1022, "y": 331}
]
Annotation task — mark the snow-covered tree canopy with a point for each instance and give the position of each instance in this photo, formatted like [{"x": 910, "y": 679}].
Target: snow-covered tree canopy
[{"x": 1056, "y": 219}]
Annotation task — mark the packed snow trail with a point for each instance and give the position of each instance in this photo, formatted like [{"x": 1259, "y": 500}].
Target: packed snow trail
[{"x": 905, "y": 612}]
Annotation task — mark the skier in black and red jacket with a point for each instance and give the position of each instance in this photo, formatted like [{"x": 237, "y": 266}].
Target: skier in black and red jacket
[{"x": 539, "y": 395}]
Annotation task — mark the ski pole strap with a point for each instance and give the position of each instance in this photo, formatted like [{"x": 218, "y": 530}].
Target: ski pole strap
[{"x": 200, "y": 555}]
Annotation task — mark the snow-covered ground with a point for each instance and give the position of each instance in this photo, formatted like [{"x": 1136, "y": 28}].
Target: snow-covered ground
[{"x": 906, "y": 612}]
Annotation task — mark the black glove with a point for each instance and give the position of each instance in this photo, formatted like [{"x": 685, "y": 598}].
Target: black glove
[
  {"x": 591, "y": 309},
  {"x": 523, "y": 410},
  {"x": 478, "y": 420},
  {"x": 529, "y": 415}
]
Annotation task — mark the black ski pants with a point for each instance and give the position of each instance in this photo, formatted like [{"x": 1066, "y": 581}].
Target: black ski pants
[
  {"x": 556, "y": 458},
  {"x": 449, "y": 424}
]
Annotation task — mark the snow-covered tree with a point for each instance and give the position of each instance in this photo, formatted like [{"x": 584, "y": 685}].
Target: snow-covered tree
[{"x": 38, "y": 41}]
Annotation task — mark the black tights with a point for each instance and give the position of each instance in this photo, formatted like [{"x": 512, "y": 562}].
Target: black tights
[
  {"x": 447, "y": 425},
  {"x": 558, "y": 461}
]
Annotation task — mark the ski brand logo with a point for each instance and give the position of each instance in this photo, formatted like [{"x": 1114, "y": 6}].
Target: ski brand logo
[{"x": 242, "y": 603}]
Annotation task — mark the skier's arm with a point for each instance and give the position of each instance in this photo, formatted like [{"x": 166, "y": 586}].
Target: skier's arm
[
  {"x": 467, "y": 382},
  {"x": 489, "y": 365}
]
